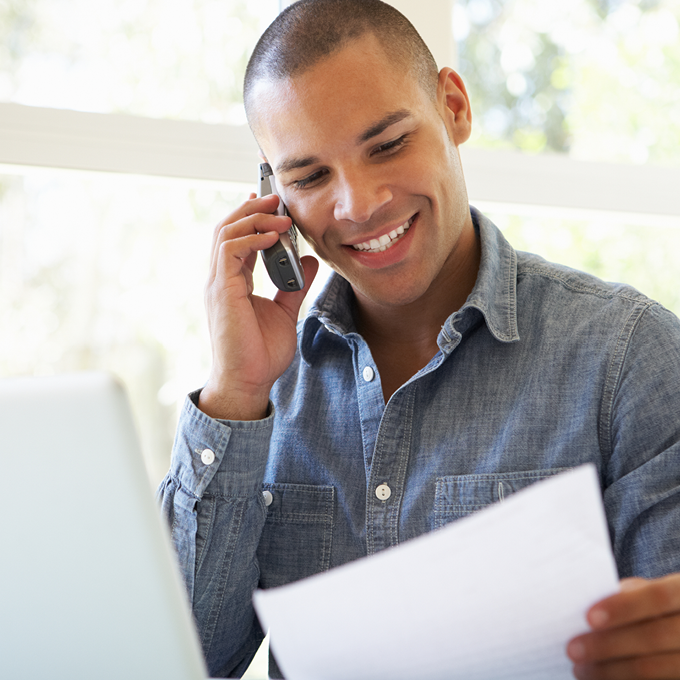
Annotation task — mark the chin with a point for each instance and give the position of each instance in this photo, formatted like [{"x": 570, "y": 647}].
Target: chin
[{"x": 390, "y": 297}]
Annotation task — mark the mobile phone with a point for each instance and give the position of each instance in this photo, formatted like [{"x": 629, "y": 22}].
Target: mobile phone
[{"x": 281, "y": 260}]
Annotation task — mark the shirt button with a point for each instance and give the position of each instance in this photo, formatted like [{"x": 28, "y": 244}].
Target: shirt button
[
  {"x": 208, "y": 457},
  {"x": 369, "y": 374},
  {"x": 268, "y": 498},
  {"x": 383, "y": 492}
]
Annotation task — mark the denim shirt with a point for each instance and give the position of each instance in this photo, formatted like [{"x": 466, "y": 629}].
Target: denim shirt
[{"x": 542, "y": 369}]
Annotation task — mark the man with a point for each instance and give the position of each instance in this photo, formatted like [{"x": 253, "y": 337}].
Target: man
[{"x": 438, "y": 370}]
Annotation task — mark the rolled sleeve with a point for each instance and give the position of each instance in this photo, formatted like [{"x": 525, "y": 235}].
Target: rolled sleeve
[{"x": 240, "y": 450}]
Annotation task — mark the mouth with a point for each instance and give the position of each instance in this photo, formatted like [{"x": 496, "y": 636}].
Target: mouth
[{"x": 386, "y": 241}]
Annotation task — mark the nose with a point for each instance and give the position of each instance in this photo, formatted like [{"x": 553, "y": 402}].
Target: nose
[{"x": 359, "y": 195}]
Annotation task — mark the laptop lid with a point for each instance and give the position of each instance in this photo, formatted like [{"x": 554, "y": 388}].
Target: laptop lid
[{"x": 89, "y": 587}]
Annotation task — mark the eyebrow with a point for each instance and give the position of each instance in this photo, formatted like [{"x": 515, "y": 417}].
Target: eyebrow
[
  {"x": 382, "y": 125},
  {"x": 295, "y": 163},
  {"x": 373, "y": 131}
]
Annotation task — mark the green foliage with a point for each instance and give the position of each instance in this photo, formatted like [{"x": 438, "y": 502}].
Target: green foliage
[
  {"x": 598, "y": 79},
  {"x": 17, "y": 22}
]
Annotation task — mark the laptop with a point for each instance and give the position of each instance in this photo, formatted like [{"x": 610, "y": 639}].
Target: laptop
[{"x": 89, "y": 587}]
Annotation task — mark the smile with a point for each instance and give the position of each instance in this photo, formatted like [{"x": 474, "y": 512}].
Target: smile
[{"x": 377, "y": 245}]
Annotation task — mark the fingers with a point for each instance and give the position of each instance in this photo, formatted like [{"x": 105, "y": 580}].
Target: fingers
[
  {"x": 249, "y": 221},
  {"x": 232, "y": 253},
  {"x": 656, "y": 667},
  {"x": 246, "y": 209},
  {"x": 653, "y": 636},
  {"x": 635, "y": 633},
  {"x": 638, "y": 600}
]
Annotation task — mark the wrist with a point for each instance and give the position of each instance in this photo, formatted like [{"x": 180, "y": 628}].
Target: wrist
[{"x": 229, "y": 405}]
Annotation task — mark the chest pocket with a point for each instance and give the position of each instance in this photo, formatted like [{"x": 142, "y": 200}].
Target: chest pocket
[
  {"x": 298, "y": 532},
  {"x": 457, "y": 496}
]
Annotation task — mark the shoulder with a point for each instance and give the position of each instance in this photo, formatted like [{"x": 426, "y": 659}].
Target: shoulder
[
  {"x": 569, "y": 303},
  {"x": 576, "y": 294},
  {"x": 533, "y": 270}
]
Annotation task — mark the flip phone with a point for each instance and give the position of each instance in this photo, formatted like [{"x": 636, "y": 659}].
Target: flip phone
[{"x": 281, "y": 260}]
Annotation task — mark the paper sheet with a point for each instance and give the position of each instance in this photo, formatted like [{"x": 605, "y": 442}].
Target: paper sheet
[{"x": 494, "y": 596}]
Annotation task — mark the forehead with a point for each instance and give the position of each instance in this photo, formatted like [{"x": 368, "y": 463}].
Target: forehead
[{"x": 334, "y": 100}]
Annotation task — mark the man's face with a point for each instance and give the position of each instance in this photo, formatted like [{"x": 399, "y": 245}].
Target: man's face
[{"x": 368, "y": 166}]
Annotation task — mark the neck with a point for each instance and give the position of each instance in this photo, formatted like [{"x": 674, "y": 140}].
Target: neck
[{"x": 403, "y": 339}]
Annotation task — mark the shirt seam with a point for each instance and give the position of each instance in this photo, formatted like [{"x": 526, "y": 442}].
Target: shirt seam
[
  {"x": 607, "y": 294},
  {"x": 613, "y": 377}
]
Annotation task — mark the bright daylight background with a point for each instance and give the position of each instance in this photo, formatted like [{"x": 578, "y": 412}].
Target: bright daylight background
[{"x": 104, "y": 270}]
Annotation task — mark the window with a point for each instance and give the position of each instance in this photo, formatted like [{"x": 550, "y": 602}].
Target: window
[
  {"x": 122, "y": 141},
  {"x": 596, "y": 79},
  {"x": 180, "y": 60}
]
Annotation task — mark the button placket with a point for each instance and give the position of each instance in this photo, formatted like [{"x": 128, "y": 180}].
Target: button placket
[{"x": 388, "y": 470}]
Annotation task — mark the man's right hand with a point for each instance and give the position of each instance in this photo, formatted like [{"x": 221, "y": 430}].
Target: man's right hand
[{"x": 253, "y": 338}]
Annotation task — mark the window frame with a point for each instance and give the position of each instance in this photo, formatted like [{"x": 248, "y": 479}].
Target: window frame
[{"x": 57, "y": 138}]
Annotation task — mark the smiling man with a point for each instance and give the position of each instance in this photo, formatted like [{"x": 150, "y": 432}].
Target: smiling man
[{"x": 438, "y": 369}]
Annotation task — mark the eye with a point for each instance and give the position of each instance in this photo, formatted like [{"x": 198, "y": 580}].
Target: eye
[
  {"x": 390, "y": 147},
  {"x": 310, "y": 179}
]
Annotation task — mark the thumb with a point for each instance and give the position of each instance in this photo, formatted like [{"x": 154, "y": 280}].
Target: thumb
[{"x": 632, "y": 583}]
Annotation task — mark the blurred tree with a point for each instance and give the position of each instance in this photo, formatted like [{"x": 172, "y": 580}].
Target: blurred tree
[{"x": 599, "y": 79}]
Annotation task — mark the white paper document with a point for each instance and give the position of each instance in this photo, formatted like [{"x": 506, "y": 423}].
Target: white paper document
[{"x": 494, "y": 596}]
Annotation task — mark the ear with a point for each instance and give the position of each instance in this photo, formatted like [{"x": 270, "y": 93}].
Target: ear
[
  {"x": 454, "y": 105},
  {"x": 263, "y": 158}
]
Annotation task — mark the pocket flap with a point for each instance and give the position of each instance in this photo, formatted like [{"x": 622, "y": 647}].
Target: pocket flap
[{"x": 459, "y": 495}]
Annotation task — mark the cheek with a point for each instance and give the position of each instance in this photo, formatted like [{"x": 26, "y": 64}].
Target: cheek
[
  {"x": 429, "y": 168},
  {"x": 310, "y": 215},
  {"x": 311, "y": 241},
  {"x": 446, "y": 175}
]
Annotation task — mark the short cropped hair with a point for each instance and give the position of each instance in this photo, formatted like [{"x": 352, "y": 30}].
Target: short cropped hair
[{"x": 311, "y": 30}]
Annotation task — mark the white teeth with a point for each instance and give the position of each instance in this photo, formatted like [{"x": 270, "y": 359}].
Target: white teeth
[{"x": 377, "y": 245}]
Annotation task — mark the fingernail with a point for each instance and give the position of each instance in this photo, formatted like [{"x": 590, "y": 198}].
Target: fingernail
[
  {"x": 598, "y": 618},
  {"x": 576, "y": 650}
]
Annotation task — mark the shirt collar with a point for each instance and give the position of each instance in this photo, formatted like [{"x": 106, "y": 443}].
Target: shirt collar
[{"x": 494, "y": 293}]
